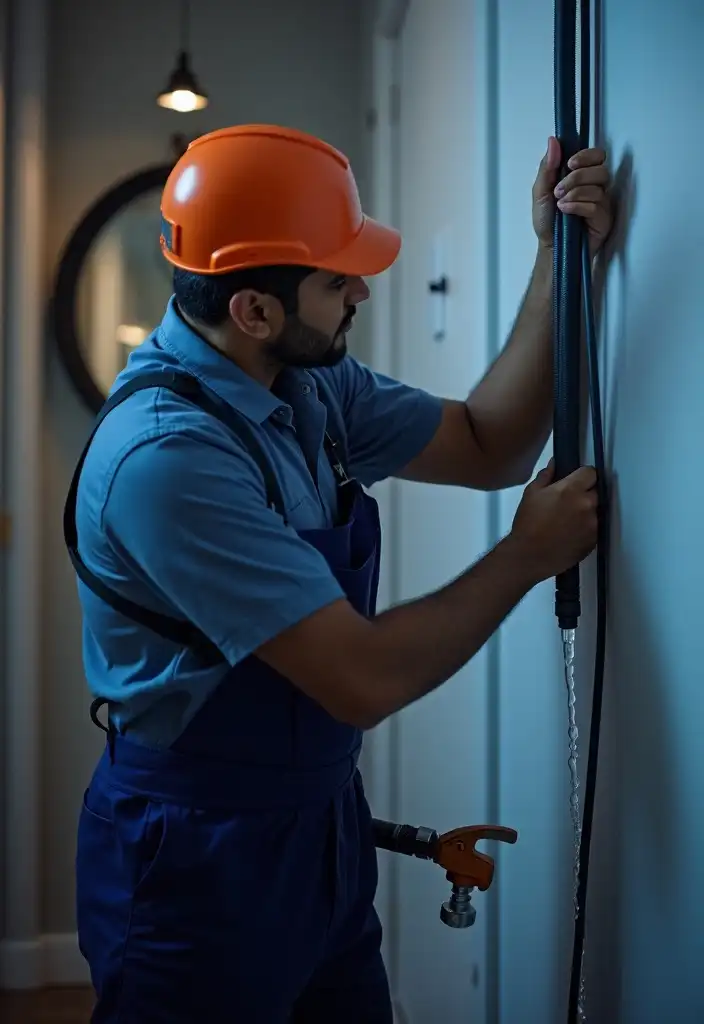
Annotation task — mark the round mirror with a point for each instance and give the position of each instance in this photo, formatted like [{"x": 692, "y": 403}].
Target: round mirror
[{"x": 112, "y": 284}]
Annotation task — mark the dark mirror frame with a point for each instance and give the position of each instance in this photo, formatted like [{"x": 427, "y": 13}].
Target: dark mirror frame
[{"x": 63, "y": 313}]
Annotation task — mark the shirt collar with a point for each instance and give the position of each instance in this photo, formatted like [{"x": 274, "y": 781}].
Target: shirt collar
[{"x": 218, "y": 372}]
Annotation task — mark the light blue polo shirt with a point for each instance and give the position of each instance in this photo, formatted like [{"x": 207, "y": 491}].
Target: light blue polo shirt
[{"x": 172, "y": 515}]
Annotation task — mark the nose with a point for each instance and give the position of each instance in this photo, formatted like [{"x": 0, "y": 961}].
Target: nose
[{"x": 357, "y": 291}]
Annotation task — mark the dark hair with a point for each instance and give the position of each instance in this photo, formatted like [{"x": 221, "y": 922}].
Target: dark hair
[{"x": 205, "y": 298}]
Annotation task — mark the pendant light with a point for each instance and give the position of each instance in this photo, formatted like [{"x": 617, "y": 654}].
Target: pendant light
[{"x": 183, "y": 92}]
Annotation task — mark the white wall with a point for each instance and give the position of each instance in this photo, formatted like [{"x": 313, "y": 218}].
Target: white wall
[
  {"x": 440, "y": 775},
  {"x": 645, "y": 936},
  {"x": 297, "y": 64},
  {"x": 646, "y": 907},
  {"x": 534, "y": 878},
  {"x": 656, "y": 422}
]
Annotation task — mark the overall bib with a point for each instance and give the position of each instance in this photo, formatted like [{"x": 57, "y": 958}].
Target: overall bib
[{"x": 231, "y": 877}]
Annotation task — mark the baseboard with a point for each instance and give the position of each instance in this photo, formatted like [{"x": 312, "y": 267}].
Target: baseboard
[{"x": 48, "y": 960}]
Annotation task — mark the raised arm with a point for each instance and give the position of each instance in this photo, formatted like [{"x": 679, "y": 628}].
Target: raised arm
[{"x": 206, "y": 542}]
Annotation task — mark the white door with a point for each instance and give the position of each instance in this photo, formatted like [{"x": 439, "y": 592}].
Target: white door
[{"x": 442, "y": 743}]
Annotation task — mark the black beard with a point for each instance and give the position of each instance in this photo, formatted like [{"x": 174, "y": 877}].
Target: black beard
[{"x": 306, "y": 347}]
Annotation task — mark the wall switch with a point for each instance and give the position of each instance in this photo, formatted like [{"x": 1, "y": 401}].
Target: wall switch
[{"x": 438, "y": 287}]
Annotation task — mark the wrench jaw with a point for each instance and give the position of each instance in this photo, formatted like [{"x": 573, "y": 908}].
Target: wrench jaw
[{"x": 467, "y": 868}]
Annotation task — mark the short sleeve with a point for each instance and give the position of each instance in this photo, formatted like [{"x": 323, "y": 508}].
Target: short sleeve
[
  {"x": 387, "y": 423},
  {"x": 192, "y": 520}
]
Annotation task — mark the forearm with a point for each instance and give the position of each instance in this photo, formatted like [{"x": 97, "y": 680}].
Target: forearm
[
  {"x": 511, "y": 408},
  {"x": 416, "y": 647},
  {"x": 361, "y": 670}
]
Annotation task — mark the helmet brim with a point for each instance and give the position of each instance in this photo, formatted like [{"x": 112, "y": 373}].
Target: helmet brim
[{"x": 373, "y": 250}]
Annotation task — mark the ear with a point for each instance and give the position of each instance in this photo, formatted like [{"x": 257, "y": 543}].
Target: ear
[{"x": 255, "y": 314}]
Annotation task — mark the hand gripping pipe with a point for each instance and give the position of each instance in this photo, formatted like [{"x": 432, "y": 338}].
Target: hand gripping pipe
[{"x": 572, "y": 295}]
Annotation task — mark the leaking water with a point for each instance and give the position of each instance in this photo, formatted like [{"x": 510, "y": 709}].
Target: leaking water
[{"x": 568, "y": 642}]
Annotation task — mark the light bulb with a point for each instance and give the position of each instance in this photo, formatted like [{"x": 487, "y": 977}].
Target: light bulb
[
  {"x": 182, "y": 100},
  {"x": 130, "y": 334}
]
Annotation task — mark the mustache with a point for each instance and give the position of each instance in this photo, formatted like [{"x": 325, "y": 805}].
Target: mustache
[{"x": 347, "y": 321}]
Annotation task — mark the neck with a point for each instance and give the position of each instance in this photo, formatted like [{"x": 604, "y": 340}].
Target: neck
[{"x": 243, "y": 354}]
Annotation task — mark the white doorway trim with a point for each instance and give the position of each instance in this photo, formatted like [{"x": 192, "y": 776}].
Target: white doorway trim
[
  {"x": 381, "y": 762},
  {"x": 485, "y": 63},
  {"x": 390, "y": 18},
  {"x": 386, "y": 175}
]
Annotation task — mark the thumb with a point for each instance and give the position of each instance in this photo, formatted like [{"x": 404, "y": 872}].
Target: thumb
[
  {"x": 549, "y": 166},
  {"x": 546, "y": 476}
]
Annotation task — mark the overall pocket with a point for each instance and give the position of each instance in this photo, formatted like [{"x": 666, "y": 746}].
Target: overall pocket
[{"x": 121, "y": 841}]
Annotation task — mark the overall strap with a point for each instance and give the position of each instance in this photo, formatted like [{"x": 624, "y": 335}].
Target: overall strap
[
  {"x": 179, "y": 631},
  {"x": 335, "y": 438}
]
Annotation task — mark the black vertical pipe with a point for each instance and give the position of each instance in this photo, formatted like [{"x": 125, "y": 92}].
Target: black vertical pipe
[
  {"x": 572, "y": 259},
  {"x": 567, "y": 295},
  {"x": 573, "y": 1015}
]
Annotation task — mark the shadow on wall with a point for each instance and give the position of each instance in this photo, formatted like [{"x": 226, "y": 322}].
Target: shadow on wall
[
  {"x": 638, "y": 801},
  {"x": 625, "y": 195},
  {"x": 636, "y": 747},
  {"x": 603, "y": 925}
]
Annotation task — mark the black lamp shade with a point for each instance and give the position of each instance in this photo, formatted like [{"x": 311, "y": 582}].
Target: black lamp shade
[{"x": 183, "y": 91}]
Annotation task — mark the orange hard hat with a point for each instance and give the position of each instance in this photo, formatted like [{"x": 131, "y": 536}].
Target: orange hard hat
[{"x": 258, "y": 195}]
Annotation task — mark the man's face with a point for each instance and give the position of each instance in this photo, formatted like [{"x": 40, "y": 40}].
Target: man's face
[{"x": 316, "y": 334}]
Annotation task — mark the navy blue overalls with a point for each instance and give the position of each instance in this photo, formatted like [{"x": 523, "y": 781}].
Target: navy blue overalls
[{"x": 231, "y": 877}]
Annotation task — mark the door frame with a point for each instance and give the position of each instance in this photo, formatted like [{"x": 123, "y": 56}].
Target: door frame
[
  {"x": 382, "y": 765},
  {"x": 23, "y": 963},
  {"x": 485, "y": 218},
  {"x": 4, "y": 514}
]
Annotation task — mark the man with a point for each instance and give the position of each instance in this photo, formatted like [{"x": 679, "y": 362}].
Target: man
[{"x": 229, "y": 559}]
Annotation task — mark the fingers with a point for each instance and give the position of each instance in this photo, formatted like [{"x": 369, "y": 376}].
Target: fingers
[
  {"x": 590, "y": 500},
  {"x": 583, "y": 479},
  {"x": 582, "y": 191},
  {"x": 587, "y": 158},
  {"x": 586, "y": 210},
  {"x": 586, "y": 168},
  {"x": 546, "y": 476},
  {"x": 584, "y": 200},
  {"x": 583, "y": 194},
  {"x": 587, "y": 177}
]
